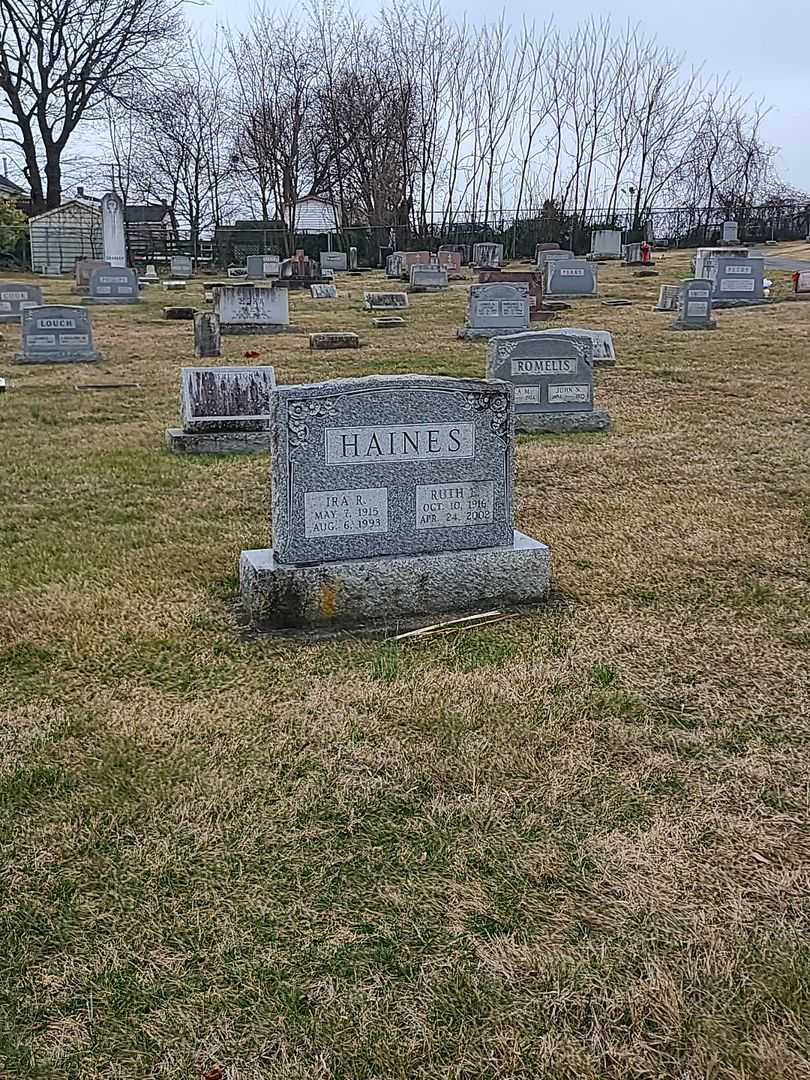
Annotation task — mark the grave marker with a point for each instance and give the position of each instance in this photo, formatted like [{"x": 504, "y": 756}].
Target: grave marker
[
  {"x": 738, "y": 280},
  {"x": 114, "y": 242},
  {"x": 487, "y": 255},
  {"x": 668, "y": 298},
  {"x": 252, "y": 309},
  {"x": 323, "y": 292},
  {"x": 225, "y": 410},
  {"x": 206, "y": 334},
  {"x": 532, "y": 278},
  {"x": 695, "y": 305},
  {"x": 263, "y": 266},
  {"x": 15, "y": 297},
  {"x": 552, "y": 374},
  {"x": 606, "y": 244},
  {"x": 181, "y": 266},
  {"x": 602, "y": 352},
  {"x": 56, "y": 334},
  {"x": 392, "y": 497},
  {"x": 570, "y": 277},
  {"x": 384, "y": 301},
  {"x": 82, "y": 272},
  {"x": 334, "y": 339},
  {"x": 334, "y": 260},
  {"x": 495, "y": 308},
  {"x": 730, "y": 233},
  {"x": 113, "y": 285},
  {"x": 427, "y": 278}
]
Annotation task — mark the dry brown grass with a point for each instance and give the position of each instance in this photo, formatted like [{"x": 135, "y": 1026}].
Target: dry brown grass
[{"x": 571, "y": 845}]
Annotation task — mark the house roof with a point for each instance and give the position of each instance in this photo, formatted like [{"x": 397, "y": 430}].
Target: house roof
[
  {"x": 147, "y": 213},
  {"x": 84, "y": 204},
  {"x": 8, "y": 187}
]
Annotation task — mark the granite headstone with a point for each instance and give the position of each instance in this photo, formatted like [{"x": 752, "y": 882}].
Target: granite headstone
[
  {"x": 224, "y": 410},
  {"x": 252, "y": 309},
  {"x": 323, "y": 292},
  {"x": 15, "y": 297},
  {"x": 495, "y": 308},
  {"x": 56, "y": 334},
  {"x": 695, "y": 305},
  {"x": 113, "y": 285},
  {"x": 428, "y": 278},
  {"x": 570, "y": 277},
  {"x": 384, "y": 301},
  {"x": 181, "y": 266},
  {"x": 334, "y": 260}
]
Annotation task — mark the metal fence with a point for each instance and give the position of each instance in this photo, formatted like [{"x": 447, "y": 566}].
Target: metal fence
[{"x": 667, "y": 227}]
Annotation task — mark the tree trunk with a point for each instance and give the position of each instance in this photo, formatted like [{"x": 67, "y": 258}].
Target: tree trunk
[{"x": 53, "y": 174}]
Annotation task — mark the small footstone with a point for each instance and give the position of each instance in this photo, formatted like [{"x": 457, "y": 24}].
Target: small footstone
[
  {"x": 388, "y": 322},
  {"x": 174, "y": 286},
  {"x": 186, "y": 313},
  {"x": 645, "y": 273},
  {"x": 618, "y": 302},
  {"x": 569, "y": 423},
  {"x": 555, "y": 305},
  {"x": 338, "y": 340}
]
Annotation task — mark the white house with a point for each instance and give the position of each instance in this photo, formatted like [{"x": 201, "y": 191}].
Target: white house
[
  {"x": 61, "y": 236},
  {"x": 313, "y": 215}
]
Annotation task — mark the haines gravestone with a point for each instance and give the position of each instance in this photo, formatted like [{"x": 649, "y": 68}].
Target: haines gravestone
[
  {"x": 495, "y": 308},
  {"x": 252, "y": 309},
  {"x": 225, "y": 410},
  {"x": 15, "y": 297},
  {"x": 113, "y": 285},
  {"x": 695, "y": 305},
  {"x": 553, "y": 379},
  {"x": 54, "y": 334},
  {"x": 392, "y": 496}
]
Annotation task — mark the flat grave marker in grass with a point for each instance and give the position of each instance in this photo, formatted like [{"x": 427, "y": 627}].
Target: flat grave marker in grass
[{"x": 392, "y": 496}]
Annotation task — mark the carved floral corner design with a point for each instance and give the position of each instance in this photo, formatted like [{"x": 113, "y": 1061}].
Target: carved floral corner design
[
  {"x": 298, "y": 412},
  {"x": 497, "y": 405}
]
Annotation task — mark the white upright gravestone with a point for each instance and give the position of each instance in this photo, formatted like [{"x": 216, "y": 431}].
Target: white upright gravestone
[{"x": 113, "y": 233}]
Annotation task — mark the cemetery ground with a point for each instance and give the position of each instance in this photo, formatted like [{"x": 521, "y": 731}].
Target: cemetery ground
[{"x": 571, "y": 844}]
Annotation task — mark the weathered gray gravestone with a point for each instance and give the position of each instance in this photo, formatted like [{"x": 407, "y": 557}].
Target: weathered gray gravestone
[
  {"x": 392, "y": 498},
  {"x": 632, "y": 255},
  {"x": 384, "y": 301},
  {"x": 738, "y": 280},
  {"x": 263, "y": 266},
  {"x": 668, "y": 298},
  {"x": 606, "y": 244},
  {"x": 334, "y": 339},
  {"x": 487, "y": 254},
  {"x": 113, "y": 285},
  {"x": 15, "y": 297},
  {"x": 730, "y": 232},
  {"x": 695, "y": 305},
  {"x": 570, "y": 277},
  {"x": 181, "y": 266},
  {"x": 353, "y": 260},
  {"x": 334, "y": 260},
  {"x": 428, "y": 279},
  {"x": 495, "y": 308},
  {"x": 548, "y": 255},
  {"x": 394, "y": 264},
  {"x": 81, "y": 274},
  {"x": 323, "y": 292},
  {"x": 451, "y": 262},
  {"x": 206, "y": 334},
  {"x": 602, "y": 352},
  {"x": 56, "y": 334},
  {"x": 252, "y": 309},
  {"x": 553, "y": 378},
  {"x": 225, "y": 410},
  {"x": 112, "y": 228}
]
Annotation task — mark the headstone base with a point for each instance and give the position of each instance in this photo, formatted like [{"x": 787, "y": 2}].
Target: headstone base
[
  {"x": 362, "y": 591},
  {"x": 254, "y": 328},
  {"x": 645, "y": 273},
  {"x": 561, "y": 423},
  {"x": 678, "y": 325},
  {"x": 15, "y": 317},
  {"x": 217, "y": 442},
  {"x": 553, "y": 305},
  {"x": 473, "y": 333},
  {"x": 720, "y": 304},
  {"x": 427, "y": 288},
  {"x": 111, "y": 300},
  {"x": 89, "y": 358},
  {"x": 388, "y": 322},
  {"x": 79, "y": 290}
]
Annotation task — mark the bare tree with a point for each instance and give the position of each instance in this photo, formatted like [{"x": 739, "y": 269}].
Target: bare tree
[{"x": 58, "y": 58}]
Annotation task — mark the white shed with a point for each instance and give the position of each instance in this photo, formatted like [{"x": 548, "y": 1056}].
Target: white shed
[
  {"x": 61, "y": 236},
  {"x": 314, "y": 215}
]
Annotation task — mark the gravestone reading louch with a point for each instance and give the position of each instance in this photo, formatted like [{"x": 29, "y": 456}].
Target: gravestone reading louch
[
  {"x": 55, "y": 334},
  {"x": 553, "y": 379},
  {"x": 392, "y": 498},
  {"x": 570, "y": 277},
  {"x": 113, "y": 285},
  {"x": 695, "y": 305},
  {"x": 252, "y": 309},
  {"x": 15, "y": 297},
  {"x": 495, "y": 308},
  {"x": 225, "y": 410}
]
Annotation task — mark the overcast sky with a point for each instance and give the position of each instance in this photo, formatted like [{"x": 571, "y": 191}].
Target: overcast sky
[{"x": 763, "y": 45}]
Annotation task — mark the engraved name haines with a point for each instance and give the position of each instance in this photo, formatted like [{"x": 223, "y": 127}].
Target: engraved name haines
[{"x": 408, "y": 442}]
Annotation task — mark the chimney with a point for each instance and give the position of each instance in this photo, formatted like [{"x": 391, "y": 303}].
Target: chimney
[{"x": 80, "y": 192}]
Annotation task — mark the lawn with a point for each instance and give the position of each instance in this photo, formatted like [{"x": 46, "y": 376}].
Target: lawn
[{"x": 574, "y": 844}]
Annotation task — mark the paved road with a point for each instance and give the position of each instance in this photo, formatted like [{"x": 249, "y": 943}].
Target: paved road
[{"x": 777, "y": 263}]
